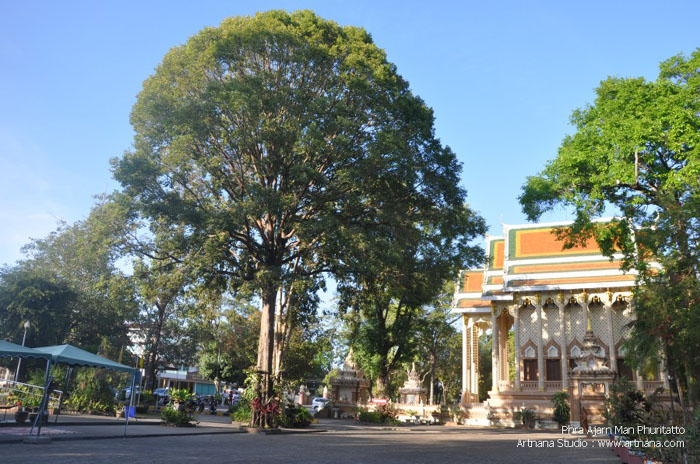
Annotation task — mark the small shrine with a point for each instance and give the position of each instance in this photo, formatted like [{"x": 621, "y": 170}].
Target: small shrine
[
  {"x": 412, "y": 391},
  {"x": 350, "y": 387},
  {"x": 590, "y": 381}
]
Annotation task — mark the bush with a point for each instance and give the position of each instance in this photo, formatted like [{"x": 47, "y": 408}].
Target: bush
[
  {"x": 526, "y": 417},
  {"x": 142, "y": 409},
  {"x": 296, "y": 417},
  {"x": 629, "y": 408},
  {"x": 92, "y": 393},
  {"x": 242, "y": 411},
  {"x": 175, "y": 417},
  {"x": 384, "y": 414},
  {"x": 562, "y": 412},
  {"x": 373, "y": 417},
  {"x": 147, "y": 397}
]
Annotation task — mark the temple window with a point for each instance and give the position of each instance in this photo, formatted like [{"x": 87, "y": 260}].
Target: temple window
[
  {"x": 529, "y": 369},
  {"x": 623, "y": 370},
  {"x": 553, "y": 369}
]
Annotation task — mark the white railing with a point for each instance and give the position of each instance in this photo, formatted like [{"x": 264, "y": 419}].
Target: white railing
[
  {"x": 10, "y": 388},
  {"x": 529, "y": 385},
  {"x": 550, "y": 385},
  {"x": 651, "y": 385}
]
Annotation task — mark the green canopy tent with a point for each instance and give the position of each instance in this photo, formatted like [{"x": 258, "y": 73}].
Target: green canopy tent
[
  {"x": 74, "y": 356},
  {"x": 12, "y": 350}
]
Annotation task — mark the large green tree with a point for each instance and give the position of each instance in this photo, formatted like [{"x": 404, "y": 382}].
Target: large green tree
[
  {"x": 70, "y": 288},
  {"x": 269, "y": 138},
  {"x": 637, "y": 148}
]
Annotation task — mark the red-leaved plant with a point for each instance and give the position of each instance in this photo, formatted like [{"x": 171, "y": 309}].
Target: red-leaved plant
[{"x": 265, "y": 414}]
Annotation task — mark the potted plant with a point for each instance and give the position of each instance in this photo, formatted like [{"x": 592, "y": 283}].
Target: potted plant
[
  {"x": 179, "y": 398},
  {"x": 32, "y": 403},
  {"x": 562, "y": 411},
  {"x": 21, "y": 414}
]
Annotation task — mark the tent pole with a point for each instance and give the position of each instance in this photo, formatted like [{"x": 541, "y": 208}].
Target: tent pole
[
  {"x": 131, "y": 402},
  {"x": 44, "y": 399},
  {"x": 69, "y": 371}
]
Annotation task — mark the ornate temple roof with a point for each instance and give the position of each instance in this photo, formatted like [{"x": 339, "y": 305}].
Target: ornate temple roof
[
  {"x": 529, "y": 257},
  {"x": 536, "y": 260}
]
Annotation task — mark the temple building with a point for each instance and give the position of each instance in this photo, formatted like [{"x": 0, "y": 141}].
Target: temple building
[{"x": 561, "y": 307}]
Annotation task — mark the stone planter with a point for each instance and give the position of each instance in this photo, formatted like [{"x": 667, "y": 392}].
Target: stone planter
[
  {"x": 44, "y": 419},
  {"x": 21, "y": 416}
]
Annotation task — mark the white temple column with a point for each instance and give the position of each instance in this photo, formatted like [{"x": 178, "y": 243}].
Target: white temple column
[
  {"x": 494, "y": 349},
  {"x": 474, "y": 350},
  {"x": 540, "y": 345},
  {"x": 564, "y": 343},
  {"x": 663, "y": 372},
  {"x": 470, "y": 359},
  {"x": 640, "y": 380},
  {"x": 516, "y": 345},
  {"x": 465, "y": 356},
  {"x": 611, "y": 332},
  {"x": 505, "y": 350}
]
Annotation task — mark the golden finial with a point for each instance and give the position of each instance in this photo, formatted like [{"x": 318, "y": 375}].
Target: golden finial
[
  {"x": 589, "y": 328},
  {"x": 560, "y": 298}
]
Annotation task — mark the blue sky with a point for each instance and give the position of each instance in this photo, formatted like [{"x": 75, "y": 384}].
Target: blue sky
[{"x": 502, "y": 78}]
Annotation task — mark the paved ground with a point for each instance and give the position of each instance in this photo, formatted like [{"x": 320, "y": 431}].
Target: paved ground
[
  {"x": 334, "y": 442},
  {"x": 77, "y": 427}
]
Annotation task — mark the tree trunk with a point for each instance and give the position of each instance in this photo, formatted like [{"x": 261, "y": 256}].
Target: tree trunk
[
  {"x": 381, "y": 384},
  {"x": 281, "y": 334},
  {"x": 266, "y": 344},
  {"x": 432, "y": 379}
]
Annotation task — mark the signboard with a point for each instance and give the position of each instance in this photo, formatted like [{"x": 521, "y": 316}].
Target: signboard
[{"x": 380, "y": 400}]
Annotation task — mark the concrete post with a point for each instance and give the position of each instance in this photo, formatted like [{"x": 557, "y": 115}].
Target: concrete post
[
  {"x": 540, "y": 345},
  {"x": 564, "y": 343}
]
